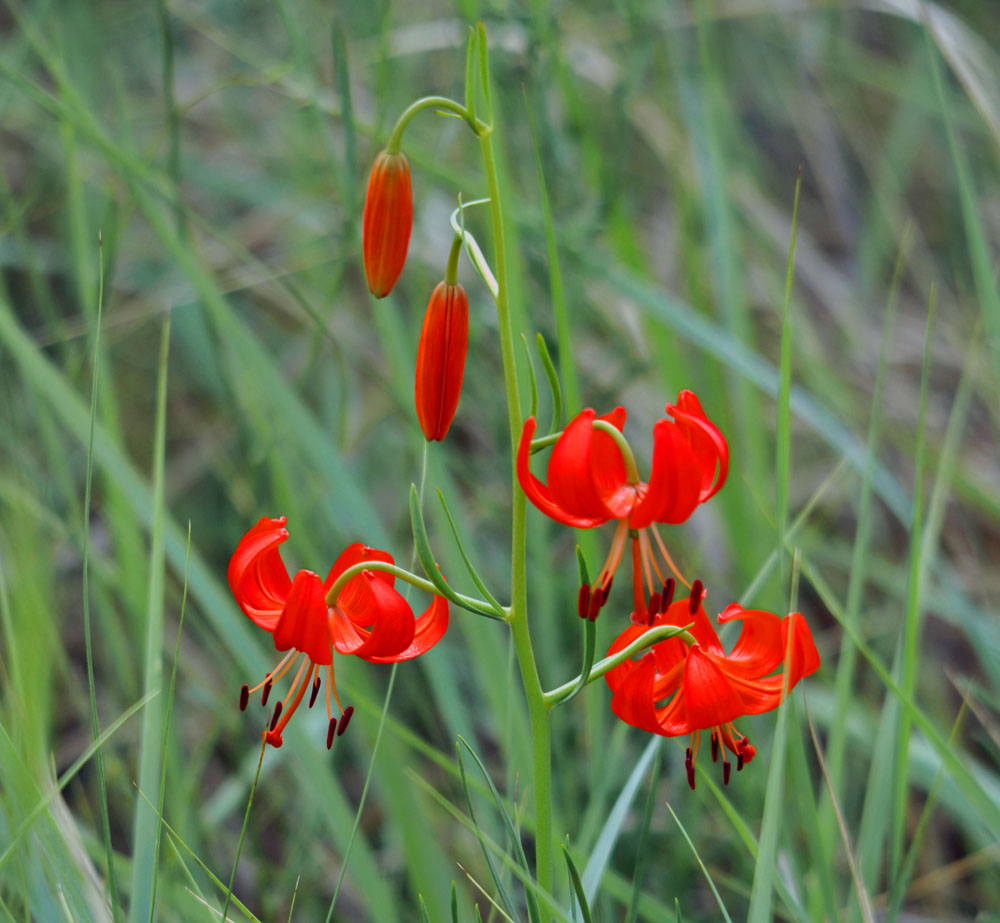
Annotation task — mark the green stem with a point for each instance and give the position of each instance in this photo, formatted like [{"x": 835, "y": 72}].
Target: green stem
[
  {"x": 538, "y": 713},
  {"x": 451, "y": 270},
  {"x": 647, "y": 639},
  {"x": 419, "y": 582},
  {"x": 631, "y": 469},
  {"x": 430, "y": 102}
]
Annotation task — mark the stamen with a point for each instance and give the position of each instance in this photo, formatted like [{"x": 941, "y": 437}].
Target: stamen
[
  {"x": 715, "y": 748},
  {"x": 739, "y": 761},
  {"x": 330, "y": 731},
  {"x": 606, "y": 591},
  {"x": 277, "y": 672},
  {"x": 275, "y": 716},
  {"x": 594, "y": 609},
  {"x": 244, "y": 697},
  {"x": 637, "y": 588},
  {"x": 314, "y": 693},
  {"x": 726, "y": 769},
  {"x": 345, "y": 719},
  {"x": 649, "y": 560},
  {"x": 615, "y": 553},
  {"x": 668, "y": 594},
  {"x": 583, "y": 600},
  {"x": 697, "y": 595},
  {"x": 266, "y": 692},
  {"x": 666, "y": 556},
  {"x": 654, "y": 608},
  {"x": 689, "y": 767}
]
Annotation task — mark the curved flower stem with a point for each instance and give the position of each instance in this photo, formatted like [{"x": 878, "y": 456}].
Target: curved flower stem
[
  {"x": 631, "y": 469},
  {"x": 420, "y": 583},
  {"x": 431, "y": 102},
  {"x": 517, "y": 617},
  {"x": 649, "y": 638}
]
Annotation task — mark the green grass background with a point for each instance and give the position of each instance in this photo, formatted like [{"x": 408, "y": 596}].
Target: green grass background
[{"x": 221, "y": 150}]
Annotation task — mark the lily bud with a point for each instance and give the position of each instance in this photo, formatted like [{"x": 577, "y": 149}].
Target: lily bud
[
  {"x": 444, "y": 340},
  {"x": 388, "y": 219}
]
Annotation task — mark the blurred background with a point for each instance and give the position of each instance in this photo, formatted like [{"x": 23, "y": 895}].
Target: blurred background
[{"x": 221, "y": 150}]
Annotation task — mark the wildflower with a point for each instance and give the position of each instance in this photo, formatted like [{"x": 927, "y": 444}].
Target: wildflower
[
  {"x": 592, "y": 478},
  {"x": 387, "y": 221},
  {"x": 369, "y": 619},
  {"x": 702, "y": 688},
  {"x": 444, "y": 340}
]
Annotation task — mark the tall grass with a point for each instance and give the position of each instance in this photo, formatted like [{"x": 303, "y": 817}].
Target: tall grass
[{"x": 650, "y": 152}]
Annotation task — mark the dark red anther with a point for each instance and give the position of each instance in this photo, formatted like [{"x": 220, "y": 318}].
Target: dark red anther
[
  {"x": 606, "y": 591},
  {"x": 330, "y": 731},
  {"x": 594, "y": 607},
  {"x": 583, "y": 600},
  {"x": 668, "y": 594},
  {"x": 726, "y": 769},
  {"x": 697, "y": 595},
  {"x": 689, "y": 766},
  {"x": 345, "y": 719},
  {"x": 314, "y": 693},
  {"x": 267, "y": 690},
  {"x": 739, "y": 761},
  {"x": 275, "y": 716},
  {"x": 244, "y": 697},
  {"x": 654, "y": 608},
  {"x": 715, "y": 748}
]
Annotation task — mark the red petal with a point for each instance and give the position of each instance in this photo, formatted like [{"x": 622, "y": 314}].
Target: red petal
[
  {"x": 706, "y": 440},
  {"x": 538, "y": 493},
  {"x": 679, "y": 613},
  {"x": 429, "y": 629},
  {"x": 581, "y": 479},
  {"x": 760, "y": 647},
  {"x": 633, "y": 699},
  {"x": 257, "y": 575},
  {"x": 380, "y": 606},
  {"x": 388, "y": 219},
  {"x": 803, "y": 659},
  {"x": 674, "y": 482},
  {"x": 616, "y": 675},
  {"x": 302, "y": 624},
  {"x": 710, "y": 696},
  {"x": 354, "y": 593},
  {"x": 444, "y": 340}
]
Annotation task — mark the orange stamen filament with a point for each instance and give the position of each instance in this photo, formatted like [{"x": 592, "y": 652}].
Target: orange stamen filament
[
  {"x": 302, "y": 686},
  {"x": 666, "y": 556},
  {"x": 276, "y": 673},
  {"x": 638, "y": 603},
  {"x": 648, "y": 563},
  {"x": 331, "y": 685},
  {"x": 614, "y": 558}
]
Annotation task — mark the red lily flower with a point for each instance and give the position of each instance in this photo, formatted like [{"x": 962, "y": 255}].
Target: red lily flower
[
  {"x": 370, "y": 619},
  {"x": 387, "y": 221},
  {"x": 444, "y": 341},
  {"x": 591, "y": 479},
  {"x": 703, "y": 688}
]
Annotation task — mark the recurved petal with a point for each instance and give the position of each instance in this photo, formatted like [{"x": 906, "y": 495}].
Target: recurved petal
[
  {"x": 581, "y": 478},
  {"x": 257, "y": 575},
  {"x": 538, "y": 493},
  {"x": 706, "y": 440},
  {"x": 379, "y": 606},
  {"x": 428, "y": 630},
  {"x": 802, "y": 657},
  {"x": 354, "y": 594},
  {"x": 302, "y": 624},
  {"x": 674, "y": 481},
  {"x": 760, "y": 647},
  {"x": 616, "y": 675}
]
